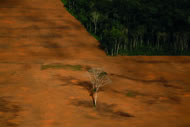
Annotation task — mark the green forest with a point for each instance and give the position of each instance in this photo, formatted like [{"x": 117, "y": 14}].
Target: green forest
[{"x": 136, "y": 27}]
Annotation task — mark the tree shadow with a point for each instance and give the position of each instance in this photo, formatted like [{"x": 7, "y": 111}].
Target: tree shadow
[
  {"x": 160, "y": 80},
  {"x": 174, "y": 99},
  {"x": 8, "y": 112},
  {"x": 88, "y": 86},
  {"x": 139, "y": 80},
  {"x": 103, "y": 109},
  {"x": 67, "y": 80}
]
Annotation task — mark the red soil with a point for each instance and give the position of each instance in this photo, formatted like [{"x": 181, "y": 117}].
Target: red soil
[{"x": 145, "y": 92}]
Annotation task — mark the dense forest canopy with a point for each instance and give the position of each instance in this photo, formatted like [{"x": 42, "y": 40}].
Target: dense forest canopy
[{"x": 136, "y": 27}]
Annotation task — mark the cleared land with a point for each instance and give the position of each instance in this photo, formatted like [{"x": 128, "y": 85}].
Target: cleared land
[{"x": 44, "y": 55}]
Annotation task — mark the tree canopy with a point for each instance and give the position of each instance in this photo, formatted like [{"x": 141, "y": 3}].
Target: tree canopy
[{"x": 136, "y": 27}]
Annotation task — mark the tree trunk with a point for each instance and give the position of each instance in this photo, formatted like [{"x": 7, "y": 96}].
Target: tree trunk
[
  {"x": 112, "y": 52},
  {"x": 90, "y": 27},
  {"x": 118, "y": 47},
  {"x": 95, "y": 24},
  {"x": 94, "y": 98}
]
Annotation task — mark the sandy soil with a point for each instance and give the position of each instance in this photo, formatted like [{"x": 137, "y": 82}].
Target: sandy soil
[{"x": 145, "y": 91}]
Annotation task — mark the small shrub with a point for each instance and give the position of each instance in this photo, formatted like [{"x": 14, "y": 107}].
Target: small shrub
[{"x": 98, "y": 78}]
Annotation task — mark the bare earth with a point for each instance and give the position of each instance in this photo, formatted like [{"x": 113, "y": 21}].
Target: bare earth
[{"x": 145, "y": 92}]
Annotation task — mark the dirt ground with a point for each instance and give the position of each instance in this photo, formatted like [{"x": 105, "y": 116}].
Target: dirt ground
[{"x": 145, "y": 91}]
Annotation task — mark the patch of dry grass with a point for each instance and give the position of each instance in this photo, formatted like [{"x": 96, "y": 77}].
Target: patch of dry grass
[{"x": 62, "y": 66}]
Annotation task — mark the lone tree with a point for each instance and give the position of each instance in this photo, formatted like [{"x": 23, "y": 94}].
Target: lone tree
[{"x": 98, "y": 78}]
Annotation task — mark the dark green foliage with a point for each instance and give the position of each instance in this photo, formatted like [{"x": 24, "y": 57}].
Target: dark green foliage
[
  {"x": 136, "y": 27},
  {"x": 94, "y": 90},
  {"x": 102, "y": 74}
]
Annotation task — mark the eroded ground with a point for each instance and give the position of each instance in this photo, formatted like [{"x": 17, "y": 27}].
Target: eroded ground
[{"x": 44, "y": 55}]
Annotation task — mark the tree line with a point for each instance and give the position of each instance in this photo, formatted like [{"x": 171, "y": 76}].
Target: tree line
[{"x": 136, "y": 27}]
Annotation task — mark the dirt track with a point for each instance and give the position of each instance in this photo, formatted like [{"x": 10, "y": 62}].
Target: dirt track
[{"x": 145, "y": 92}]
